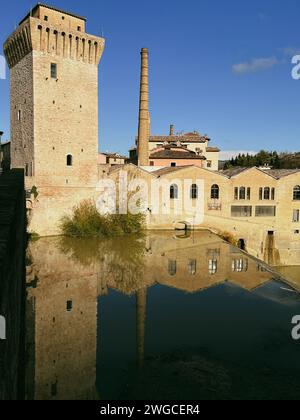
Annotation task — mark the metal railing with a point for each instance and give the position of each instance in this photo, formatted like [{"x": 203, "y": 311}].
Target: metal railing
[{"x": 214, "y": 205}]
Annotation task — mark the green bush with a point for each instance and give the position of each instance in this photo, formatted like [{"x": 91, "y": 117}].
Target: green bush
[
  {"x": 86, "y": 221},
  {"x": 33, "y": 236}
]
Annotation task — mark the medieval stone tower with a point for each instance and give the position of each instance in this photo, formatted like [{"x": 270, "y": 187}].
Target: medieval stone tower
[{"x": 54, "y": 98}]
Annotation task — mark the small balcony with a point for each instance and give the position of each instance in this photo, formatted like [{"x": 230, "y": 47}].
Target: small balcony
[{"x": 214, "y": 205}]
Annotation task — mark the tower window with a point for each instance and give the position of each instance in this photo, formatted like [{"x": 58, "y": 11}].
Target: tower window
[
  {"x": 54, "y": 390},
  {"x": 46, "y": 18},
  {"x": 69, "y": 160},
  {"x": 79, "y": 28},
  {"x": 69, "y": 306},
  {"x": 53, "y": 71},
  {"x": 19, "y": 115}
]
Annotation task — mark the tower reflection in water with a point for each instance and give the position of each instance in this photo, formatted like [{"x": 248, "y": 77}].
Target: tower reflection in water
[{"x": 67, "y": 280}]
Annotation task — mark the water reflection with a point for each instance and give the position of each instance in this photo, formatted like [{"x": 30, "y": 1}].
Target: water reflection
[{"x": 85, "y": 296}]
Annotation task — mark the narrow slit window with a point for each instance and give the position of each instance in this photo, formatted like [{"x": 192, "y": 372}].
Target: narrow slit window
[
  {"x": 53, "y": 71},
  {"x": 69, "y": 160},
  {"x": 69, "y": 306},
  {"x": 296, "y": 216}
]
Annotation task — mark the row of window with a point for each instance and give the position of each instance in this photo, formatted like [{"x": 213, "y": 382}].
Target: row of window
[
  {"x": 46, "y": 18},
  {"x": 247, "y": 211},
  {"x": 240, "y": 193},
  {"x": 174, "y": 192},
  {"x": 238, "y": 265},
  {"x": 266, "y": 193},
  {"x": 243, "y": 193},
  {"x": 194, "y": 192}
]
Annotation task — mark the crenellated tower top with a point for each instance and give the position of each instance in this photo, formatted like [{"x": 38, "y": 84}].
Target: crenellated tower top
[{"x": 53, "y": 31}]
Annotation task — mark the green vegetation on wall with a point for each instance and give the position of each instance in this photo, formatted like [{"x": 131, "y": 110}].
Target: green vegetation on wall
[{"x": 86, "y": 221}]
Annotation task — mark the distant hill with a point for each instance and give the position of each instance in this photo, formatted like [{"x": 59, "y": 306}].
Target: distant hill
[
  {"x": 265, "y": 158},
  {"x": 290, "y": 160}
]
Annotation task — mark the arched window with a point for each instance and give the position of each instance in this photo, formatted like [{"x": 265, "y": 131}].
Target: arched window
[
  {"x": 248, "y": 193},
  {"x": 174, "y": 192},
  {"x": 273, "y": 194},
  {"x": 236, "y": 193},
  {"x": 267, "y": 193},
  {"x": 215, "y": 192},
  {"x": 194, "y": 192},
  {"x": 212, "y": 267},
  {"x": 242, "y": 193},
  {"x": 296, "y": 195},
  {"x": 192, "y": 267},
  {"x": 172, "y": 269},
  {"x": 69, "y": 160}
]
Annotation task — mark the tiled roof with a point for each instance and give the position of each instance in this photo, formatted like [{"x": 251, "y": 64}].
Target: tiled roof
[
  {"x": 233, "y": 171},
  {"x": 169, "y": 169},
  {"x": 212, "y": 149},
  {"x": 275, "y": 173},
  {"x": 192, "y": 138},
  {"x": 280, "y": 173},
  {"x": 114, "y": 155},
  {"x": 173, "y": 153}
]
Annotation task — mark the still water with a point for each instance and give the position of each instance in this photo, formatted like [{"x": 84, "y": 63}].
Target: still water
[{"x": 164, "y": 316}]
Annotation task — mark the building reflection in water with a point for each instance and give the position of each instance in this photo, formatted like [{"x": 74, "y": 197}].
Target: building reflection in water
[{"x": 66, "y": 277}]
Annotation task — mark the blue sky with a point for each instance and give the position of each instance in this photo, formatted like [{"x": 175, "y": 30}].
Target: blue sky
[{"x": 220, "y": 67}]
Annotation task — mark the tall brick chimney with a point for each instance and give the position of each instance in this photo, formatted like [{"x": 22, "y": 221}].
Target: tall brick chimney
[
  {"x": 171, "y": 130},
  {"x": 144, "y": 116}
]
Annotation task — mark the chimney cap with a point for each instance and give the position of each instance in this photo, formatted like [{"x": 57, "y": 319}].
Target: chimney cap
[{"x": 144, "y": 50}]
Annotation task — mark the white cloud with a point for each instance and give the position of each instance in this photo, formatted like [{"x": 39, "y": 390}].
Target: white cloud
[
  {"x": 255, "y": 65},
  {"x": 290, "y": 51},
  {"x": 229, "y": 154}
]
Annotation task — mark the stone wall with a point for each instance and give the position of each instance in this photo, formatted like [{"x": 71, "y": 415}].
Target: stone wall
[{"x": 12, "y": 282}]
